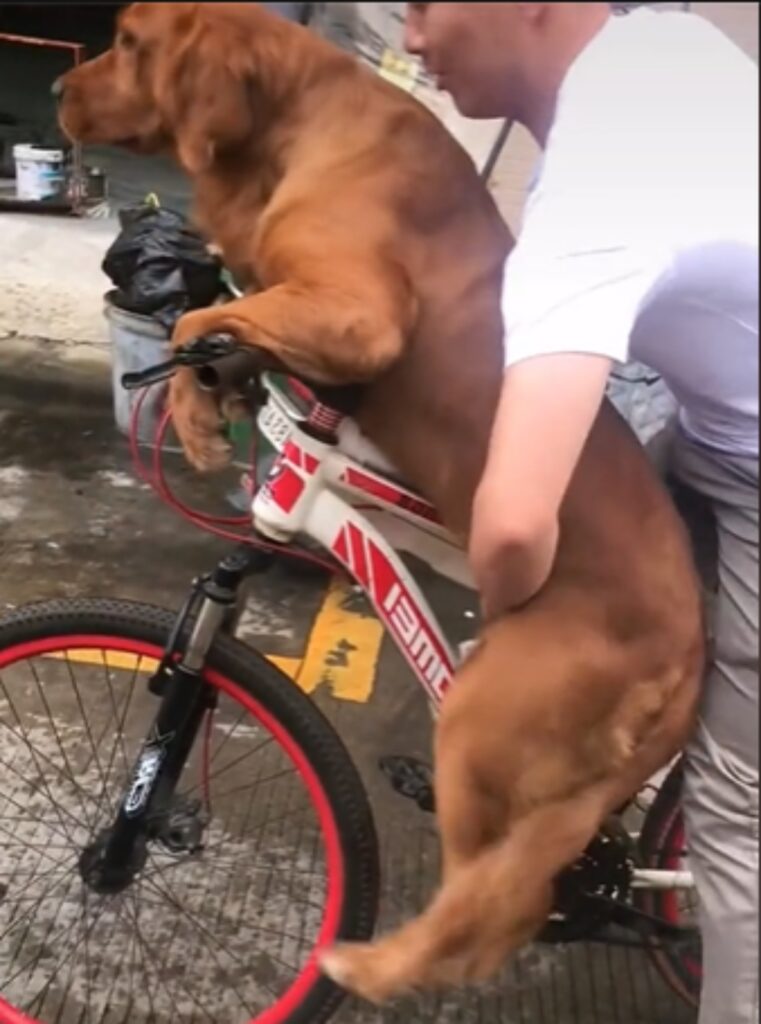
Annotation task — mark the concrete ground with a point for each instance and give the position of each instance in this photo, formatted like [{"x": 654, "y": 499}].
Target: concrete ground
[{"x": 74, "y": 522}]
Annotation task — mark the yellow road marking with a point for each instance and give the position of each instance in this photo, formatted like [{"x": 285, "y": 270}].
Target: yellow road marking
[
  {"x": 343, "y": 648},
  {"x": 342, "y": 651},
  {"x": 130, "y": 662}
]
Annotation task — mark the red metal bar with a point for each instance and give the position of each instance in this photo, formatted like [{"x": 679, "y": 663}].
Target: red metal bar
[
  {"x": 56, "y": 44},
  {"x": 77, "y": 49}
]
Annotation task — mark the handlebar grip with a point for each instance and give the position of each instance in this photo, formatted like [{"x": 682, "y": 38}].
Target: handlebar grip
[{"x": 228, "y": 372}]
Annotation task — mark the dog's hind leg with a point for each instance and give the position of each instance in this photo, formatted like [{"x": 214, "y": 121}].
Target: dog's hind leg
[
  {"x": 469, "y": 818},
  {"x": 487, "y": 907}
]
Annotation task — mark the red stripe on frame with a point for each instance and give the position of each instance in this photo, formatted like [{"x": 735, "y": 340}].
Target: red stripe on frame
[
  {"x": 292, "y": 453},
  {"x": 340, "y": 548},
  {"x": 285, "y": 489},
  {"x": 358, "y": 555},
  {"x": 383, "y": 573},
  {"x": 373, "y": 486},
  {"x": 388, "y": 492}
]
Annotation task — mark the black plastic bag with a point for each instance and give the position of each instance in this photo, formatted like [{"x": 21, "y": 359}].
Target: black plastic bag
[{"x": 160, "y": 266}]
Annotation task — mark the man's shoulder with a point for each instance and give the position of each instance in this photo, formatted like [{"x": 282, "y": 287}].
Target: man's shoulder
[
  {"x": 632, "y": 110},
  {"x": 643, "y": 56},
  {"x": 663, "y": 29}
]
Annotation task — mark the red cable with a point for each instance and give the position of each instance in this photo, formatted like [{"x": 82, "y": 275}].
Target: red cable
[
  {"x": 171, "y": 499},
  {"x": 211, "y": 524},
  {"x": 134, "y": 443}
]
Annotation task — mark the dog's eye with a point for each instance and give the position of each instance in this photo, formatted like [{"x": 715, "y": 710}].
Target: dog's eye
[{"x": 127, "y": 40}]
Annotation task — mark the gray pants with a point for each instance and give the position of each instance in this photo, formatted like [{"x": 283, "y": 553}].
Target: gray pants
[{"x": 721, "y": 779}]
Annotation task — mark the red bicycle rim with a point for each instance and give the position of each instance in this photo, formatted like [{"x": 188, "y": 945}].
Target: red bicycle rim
[
  {"x": 673, "y": 846},
  {"x": 310, "y": 973}
]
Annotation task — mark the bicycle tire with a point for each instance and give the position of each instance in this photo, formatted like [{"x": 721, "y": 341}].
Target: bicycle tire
[
  {"x": 661, "y": 843},
  {"x": 33, "y": 626}
]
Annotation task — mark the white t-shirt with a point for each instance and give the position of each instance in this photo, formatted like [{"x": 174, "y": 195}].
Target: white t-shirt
[{"x": 640, "y": 237}]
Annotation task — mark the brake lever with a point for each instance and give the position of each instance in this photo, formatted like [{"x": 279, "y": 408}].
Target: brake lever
[
  {"x": 143, "y": 378},
  {"x": 198, "y": 352}
]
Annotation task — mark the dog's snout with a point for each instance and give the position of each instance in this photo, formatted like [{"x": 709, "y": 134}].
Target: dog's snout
[{"x": 57, "y": 88}]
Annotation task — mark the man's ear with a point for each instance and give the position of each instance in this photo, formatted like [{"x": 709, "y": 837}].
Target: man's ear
[{"x": 209, "y": 99}]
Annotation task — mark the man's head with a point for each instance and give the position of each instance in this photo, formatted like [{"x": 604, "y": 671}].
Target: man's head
[{"x": 502, "y": 59}]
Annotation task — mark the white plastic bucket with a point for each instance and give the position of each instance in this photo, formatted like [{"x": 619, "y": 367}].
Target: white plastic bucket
[
  {"x": 137, "y": 342},
  {"x": 39, "y": 172}
]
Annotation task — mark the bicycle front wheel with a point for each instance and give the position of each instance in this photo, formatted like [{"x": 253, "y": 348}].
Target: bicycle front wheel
[{"x": 268, "y": 855}]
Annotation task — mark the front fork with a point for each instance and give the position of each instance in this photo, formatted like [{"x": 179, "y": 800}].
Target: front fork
[{"x": 119, "y": 852}]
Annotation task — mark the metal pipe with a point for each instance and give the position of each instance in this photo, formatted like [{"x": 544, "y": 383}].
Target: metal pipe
[
  {"x": 499, "y": 143},
  {"x": 644, "y": 878},
  {"x": 77, "y": 196},
  {"x": 59, "y": 44},
  {"x": 78, "y": 175}
]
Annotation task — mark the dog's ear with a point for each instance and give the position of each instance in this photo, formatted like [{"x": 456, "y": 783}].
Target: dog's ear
[{"x": 212, "y": 95}]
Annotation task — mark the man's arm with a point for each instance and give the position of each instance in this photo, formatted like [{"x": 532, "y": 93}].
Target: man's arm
[
  {"x": 574, "y": 286},
  {"x": 546, "y": 410}
]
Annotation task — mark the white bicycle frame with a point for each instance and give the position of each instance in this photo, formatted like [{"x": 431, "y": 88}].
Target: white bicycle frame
[{"x": 336, "y": 493}]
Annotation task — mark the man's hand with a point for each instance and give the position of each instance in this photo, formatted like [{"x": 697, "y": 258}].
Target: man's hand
[{"x": 546, "y": 410}]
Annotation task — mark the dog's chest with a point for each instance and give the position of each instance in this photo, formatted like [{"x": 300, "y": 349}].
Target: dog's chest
[{"x": 232, "y": 223}]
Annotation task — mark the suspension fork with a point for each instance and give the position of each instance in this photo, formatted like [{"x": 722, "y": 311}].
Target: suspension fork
[{"x": 110, "y": 863}]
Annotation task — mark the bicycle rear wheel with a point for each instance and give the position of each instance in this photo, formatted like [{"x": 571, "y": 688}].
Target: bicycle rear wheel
[
  {"x": 663, "y": 846},
  {"x": 225, "y": 933}
]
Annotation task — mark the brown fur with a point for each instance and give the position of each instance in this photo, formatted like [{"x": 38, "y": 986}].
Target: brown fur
[{"x": 379, "y": 256}]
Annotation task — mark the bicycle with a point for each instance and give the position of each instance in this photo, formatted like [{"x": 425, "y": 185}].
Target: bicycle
[{"x": 122, "y": 835}]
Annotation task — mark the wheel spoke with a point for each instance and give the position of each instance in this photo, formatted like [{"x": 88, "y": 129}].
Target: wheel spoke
[
  {"x": 119, "y": 739},
  {"x": 259, "y": 782},
  {"x": 64, "y": 755},
  {"x": 31, "y": 748},
  {"x": 43, "y": 848},
  {"x": 151, "y": 957},
  {"x": 228, "y": 736},
  {"x": 233, "y": 764},
  {"x": 171, "y": 898},
  {"x": 42, "y": 945},
  {"x": 243, "y": 914},
  {"x": 69, "y": 958},
  {"x": 28, "y": 915}
]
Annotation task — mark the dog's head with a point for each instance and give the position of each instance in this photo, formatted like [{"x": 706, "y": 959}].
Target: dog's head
[{"x": 197, "y": 79}]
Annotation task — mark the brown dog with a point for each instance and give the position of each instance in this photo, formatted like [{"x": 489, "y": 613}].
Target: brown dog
[{"x": 379, "y": 255}]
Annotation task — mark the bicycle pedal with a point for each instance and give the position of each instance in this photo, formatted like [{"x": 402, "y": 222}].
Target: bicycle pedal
[{"x": 410, "y": 778}]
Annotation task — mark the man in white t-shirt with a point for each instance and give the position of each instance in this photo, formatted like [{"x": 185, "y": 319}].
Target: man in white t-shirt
[{"x": 639, "y": 241}]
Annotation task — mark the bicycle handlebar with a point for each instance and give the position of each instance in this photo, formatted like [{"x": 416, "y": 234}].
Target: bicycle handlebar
[
  {"x": 219, "y": 361},
  {"x": 228, "y": 371},
  {"x": 222, "y": 364}
]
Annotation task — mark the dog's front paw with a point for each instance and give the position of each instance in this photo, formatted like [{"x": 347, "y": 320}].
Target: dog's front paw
[
  {"x": 195, "y": 324},
  {"x": 369, "y": 970},
  {"x": 198, "y": 424}
]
